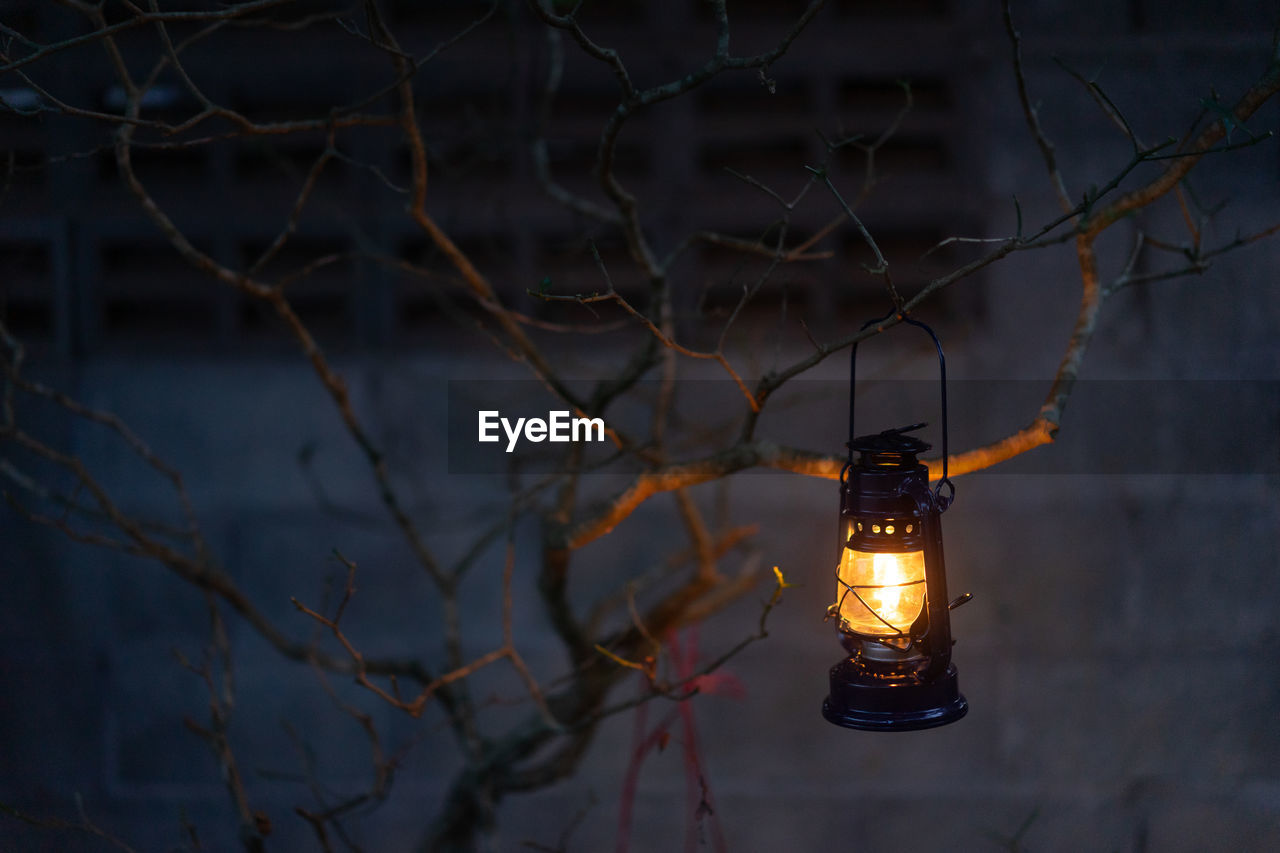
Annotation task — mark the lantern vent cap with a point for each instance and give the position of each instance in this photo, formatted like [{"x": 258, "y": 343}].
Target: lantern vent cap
[{"x": 892, "y": 448}]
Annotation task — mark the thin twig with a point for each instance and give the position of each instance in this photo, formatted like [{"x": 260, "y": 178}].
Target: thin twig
[{"x": 1031, "y": 114}]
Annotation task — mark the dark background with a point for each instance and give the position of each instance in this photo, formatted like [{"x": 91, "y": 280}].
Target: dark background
[{"x": 1118, "y": 656}]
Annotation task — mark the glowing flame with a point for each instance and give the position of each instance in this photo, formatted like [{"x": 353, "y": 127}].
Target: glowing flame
[{"x": 892, "y": 585}]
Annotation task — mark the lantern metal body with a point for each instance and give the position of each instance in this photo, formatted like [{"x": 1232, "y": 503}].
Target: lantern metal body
[{"x": 891, "y": 607}]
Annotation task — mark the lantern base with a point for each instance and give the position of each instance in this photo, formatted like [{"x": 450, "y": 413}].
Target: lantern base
[{"x": 860, "y": 700}]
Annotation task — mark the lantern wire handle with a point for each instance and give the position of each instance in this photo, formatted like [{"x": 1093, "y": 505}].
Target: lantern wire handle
[{"x": 943, "y": 501}]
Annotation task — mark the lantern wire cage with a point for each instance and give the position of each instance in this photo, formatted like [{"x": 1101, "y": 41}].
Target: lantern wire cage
[{"x": 853, "y": 588}]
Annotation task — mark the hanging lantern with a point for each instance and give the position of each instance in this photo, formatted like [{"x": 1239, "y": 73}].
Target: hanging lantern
[{"x": 891, "y": 607}]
